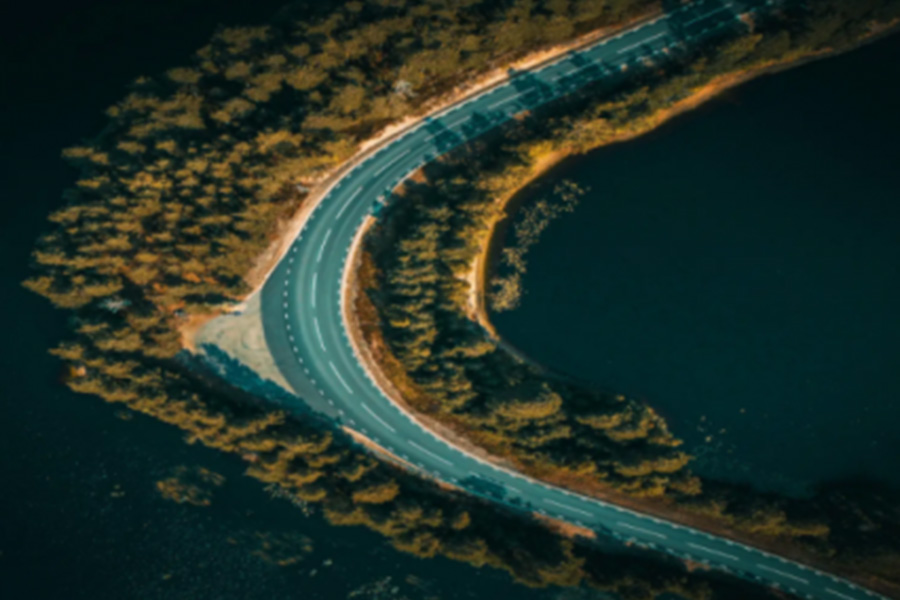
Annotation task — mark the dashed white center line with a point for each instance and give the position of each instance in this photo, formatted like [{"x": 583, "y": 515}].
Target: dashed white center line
[
  {"x": 782, "y": 573},
  {"x": 641, "y": 43},
  {"x": 706, "y": 16},
  {"x": 341, "y": 379},
  {"x": 839, "y": 594},
  {"x": 642, "y": 530},
  {"x": 319, "y": 334},
  {"x": 322, "y": 247},
  {"x": 347, "y": 203},
  {"x": 567, "y": 507},
  {"x": 430, "y": 453},
  {"x": 455, "y": 123},
  {"x": 504, "y": 101},
  {"x": 377, "y": 418},
  {"x": 387, "y": 166},
  {"x": 712, "y": 551},
  {"x": 312, "y": 294}
]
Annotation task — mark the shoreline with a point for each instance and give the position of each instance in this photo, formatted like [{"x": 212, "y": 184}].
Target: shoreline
[
  {"x": 483, "y": 267},
  {"x": 286, "y": 230},
  {"x": 478, "y": 278}
]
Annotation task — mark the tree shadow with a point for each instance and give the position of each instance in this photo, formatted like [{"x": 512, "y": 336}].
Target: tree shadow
[{"x": 441, "y": 136}]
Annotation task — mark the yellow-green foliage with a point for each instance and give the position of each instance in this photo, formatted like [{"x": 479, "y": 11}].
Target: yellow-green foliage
[{"x": 185, "y": 186}]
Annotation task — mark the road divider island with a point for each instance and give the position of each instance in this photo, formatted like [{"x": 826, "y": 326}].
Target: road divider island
[{"x": 322, "y": 193}]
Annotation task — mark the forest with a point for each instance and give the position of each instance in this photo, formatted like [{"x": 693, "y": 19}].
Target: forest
[
  {"x": 451, "y": 367},
  {"x": 196, "y": 170}
]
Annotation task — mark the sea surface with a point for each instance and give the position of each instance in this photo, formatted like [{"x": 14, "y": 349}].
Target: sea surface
[
  {"x": 81, "y": 517},
  {"x": 739, "y": 270}
]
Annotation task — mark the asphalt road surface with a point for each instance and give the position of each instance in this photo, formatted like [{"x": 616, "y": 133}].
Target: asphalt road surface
[{"x": 306, "y": 333}]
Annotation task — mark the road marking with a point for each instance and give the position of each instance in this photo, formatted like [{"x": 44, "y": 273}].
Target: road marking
[
  {"x": 513, "y": 488},
  {"x": 838, "y": 594},
  {"x": 625, "y": 525},
  {"x": 322, "y": 247},
  {"x": 706, "y": 16},
  {"x": 504, "y": 101},
  {"x": 341, "y": 379},
  {"x": 566, "y": 506},
  {"x": 390, "y": 164},
  {"x": 347, "y": 203},
  {"x": 568, "y": 72},
  {"x": 712, "y": 551},
  {"x": 312, "y": 295},
  {"x": 641, "y": 529},
  {"x": 455, "y": 123},
  {"x": 319, "y": 333},
  {"x": 429, "y": 452},
  {"x": 782, "y": 573},
  {"x": 642, "y": 43},
  {"x": 379, "y": 419}
]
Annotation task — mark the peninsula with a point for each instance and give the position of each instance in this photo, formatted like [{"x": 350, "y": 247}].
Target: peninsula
[{"x": 287, "y": 144}]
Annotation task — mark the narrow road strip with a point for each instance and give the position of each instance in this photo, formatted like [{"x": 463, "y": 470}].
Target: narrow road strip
[
  {"x": 341, "y": 379},
  {"x": 430, "y": 453},
  {"x": 839, "y": 595},
  {"x": 712, "y": 551},
  {"x": 706, "y": 16},
  {"x": 455, "y": 123},
  {"x": 572, "y": 508},
  {"x": 642, "y": 43},
  {"x": 390, "y": 164},
  {"x": 504, "y": 101},
  {"x": 319, "y": 334},
  {"x": 322, "y": 247},
  {"x": 782, "y": 573},
  {"x": 379, "y": 419},
  {"x": 641, "y": 529},
  {"x": 347, "y": 203}
]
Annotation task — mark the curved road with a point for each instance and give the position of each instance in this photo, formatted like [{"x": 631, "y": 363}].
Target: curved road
[{"x": 306, "y": 333}]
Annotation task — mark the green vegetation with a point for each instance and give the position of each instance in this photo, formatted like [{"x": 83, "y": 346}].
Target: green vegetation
[
  {"x": 447, "y": 366},
  {"x": 196, "y": 171},
  {"x": 463, "y": 377},
  {"x": 179, "y": 194}
]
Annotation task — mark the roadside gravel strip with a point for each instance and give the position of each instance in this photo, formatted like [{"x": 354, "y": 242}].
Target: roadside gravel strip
[{"x": 306, "y": 331}]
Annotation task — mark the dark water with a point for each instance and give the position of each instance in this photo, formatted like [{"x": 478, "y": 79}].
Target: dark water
[
  {"x": 738, "y": 269},
  {"x": 79, "y": 515}
]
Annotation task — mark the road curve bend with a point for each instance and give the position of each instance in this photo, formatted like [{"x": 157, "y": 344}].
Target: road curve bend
[{"x": 306, "y": 333}]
